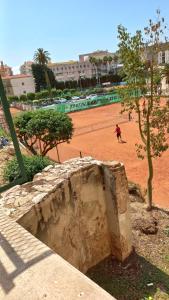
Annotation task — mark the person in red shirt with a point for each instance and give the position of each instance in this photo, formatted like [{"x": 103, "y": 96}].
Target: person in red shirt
[{"x": 118, "y": 133}]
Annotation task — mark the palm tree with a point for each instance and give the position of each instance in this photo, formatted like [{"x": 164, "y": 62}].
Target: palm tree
[
  {"x": 105, "y": 62},
  {"x": 42, "y": 57},
  {"x": 92, "y": 60},
  {"x": 108, "y": 60}
]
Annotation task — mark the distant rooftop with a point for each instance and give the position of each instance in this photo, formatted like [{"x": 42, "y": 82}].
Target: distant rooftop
[{"x": 16, "y": 76}]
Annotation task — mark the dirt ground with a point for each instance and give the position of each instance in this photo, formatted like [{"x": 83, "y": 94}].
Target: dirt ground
[
  {"x": 94, "y": 136},
  {"x": 145, "y": 274}
]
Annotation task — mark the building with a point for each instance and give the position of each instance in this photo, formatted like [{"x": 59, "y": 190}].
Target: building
[
  {"x": 71, "y": 70},
  {"x": 5, "y": 70},
  {"x": 17, "y": 85},
  {"x": 99, "y": 54},
  {"x": 26, "y": 68},
  {"x": 74, "y": 70}
]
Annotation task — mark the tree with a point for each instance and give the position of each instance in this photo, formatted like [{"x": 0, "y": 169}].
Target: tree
[
  {"x": 39, "y": 77},
  {"x": 107, "y": 60},
  {"x": 45, "y": 128},
  {"x": 139, "y": 58},
  {"x": 97, "y": 62},
  {"x": 42, "y": 58}
]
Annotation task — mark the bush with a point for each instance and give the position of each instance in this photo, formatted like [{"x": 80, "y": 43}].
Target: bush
[
  {"x": 38, "y": 96},
  {"x": 31, "y": 96},
  {"x": 65, "y": 91},
  {"x": 13, "y": 98},
  {"x": 23, "y": 97},
  {"x": 44, "y": 94},
  {"x": 54, "y": 93},
  {"x": 33, "y": 165}
]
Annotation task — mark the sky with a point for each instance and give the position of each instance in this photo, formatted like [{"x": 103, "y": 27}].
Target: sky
[{"x": 67, "y": 28}]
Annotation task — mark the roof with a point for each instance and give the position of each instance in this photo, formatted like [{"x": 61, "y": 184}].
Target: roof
[
  {"x": 63, "y": 63},
  {"x": 16, "y": 76}
]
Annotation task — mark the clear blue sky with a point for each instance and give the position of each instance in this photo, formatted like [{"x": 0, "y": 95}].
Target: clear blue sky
[{"x": 67, "y": 28}]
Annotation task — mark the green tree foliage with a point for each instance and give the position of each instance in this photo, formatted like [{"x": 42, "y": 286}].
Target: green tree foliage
[
  {"x": 139, "y": 58},
  {"x": 33, "y": 165},
  {"x": 38, "y": 72},
  {"x": 43, "y": 128},
  {"x": 42, "y": 57}
]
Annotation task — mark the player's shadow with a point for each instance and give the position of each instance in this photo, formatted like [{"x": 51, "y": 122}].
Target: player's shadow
[{"x": 123, "y": 142}]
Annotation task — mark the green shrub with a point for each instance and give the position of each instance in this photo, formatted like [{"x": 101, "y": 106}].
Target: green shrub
[
  {"x": 33, "y": 165},
  {"x": 54, "y": 93},
  {"x": 65, "y": 91},
  {"x": 23, "y": 97},
  {"x": 67, "y": 97},
  {"x": 59, "y": 92},
  {"x": 13, "y": 98},
  {"x": 44, "y": 94},
  {"x": 30, "y": 96},
  {"x": 38, "y": 96}
]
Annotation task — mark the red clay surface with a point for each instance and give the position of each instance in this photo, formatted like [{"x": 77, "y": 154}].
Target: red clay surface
[
  {"x": 94, "y": 136},
  {"x": 101, "y": 143}
]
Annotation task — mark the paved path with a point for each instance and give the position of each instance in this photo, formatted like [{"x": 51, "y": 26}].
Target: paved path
[{"x": 29, "y": 270}]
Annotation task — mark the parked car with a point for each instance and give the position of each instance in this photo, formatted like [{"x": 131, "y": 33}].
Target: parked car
[
  {"x": 57, "y": 101},
  {"x": 75, "y": 98},
  {"x": 92, "y": 96},
  {"x": 62, "y": 100}
]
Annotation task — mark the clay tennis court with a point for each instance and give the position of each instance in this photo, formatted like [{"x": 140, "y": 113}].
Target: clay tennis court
[{"x": 94, "y": 136}]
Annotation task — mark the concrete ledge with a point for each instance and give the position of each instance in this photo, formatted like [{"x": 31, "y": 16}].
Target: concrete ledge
[{"x": 30, "y": 270}]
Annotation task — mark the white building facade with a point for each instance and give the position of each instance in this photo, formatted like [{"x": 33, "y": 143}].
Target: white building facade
[
  {"x": 74, "y": 70},
  {"x": 26, "y": 68},
  {"x": 18, "y": 85},
  {"x": 71, "y": 70}
]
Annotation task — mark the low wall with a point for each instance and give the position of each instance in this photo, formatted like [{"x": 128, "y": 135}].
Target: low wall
[
  {"x": 80, "y": 209},
  {"x": 29, "y": 270}
]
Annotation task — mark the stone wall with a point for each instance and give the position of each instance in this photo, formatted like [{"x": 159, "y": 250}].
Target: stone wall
[{"x": 79, "y": 209}]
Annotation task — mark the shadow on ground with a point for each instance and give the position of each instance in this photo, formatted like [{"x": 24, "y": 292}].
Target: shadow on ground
[{"x": 136, "y": 279}]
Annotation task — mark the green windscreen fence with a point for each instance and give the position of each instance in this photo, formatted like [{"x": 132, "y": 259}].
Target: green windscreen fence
[{"x": 87, "y": 103}]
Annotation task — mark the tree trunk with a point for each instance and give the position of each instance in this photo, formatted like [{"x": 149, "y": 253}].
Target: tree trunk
[
  {"x": 150, "y": 175},
  {"x": 48, "y": 82},
  {"x": 148, "y": 145}
]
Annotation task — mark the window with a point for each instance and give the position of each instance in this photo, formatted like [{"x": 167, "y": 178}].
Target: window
[
  {"x": 22, "y": 83},
  {"x": 163, "y": 57},
  {"x": 24, "y": 92}
]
